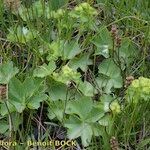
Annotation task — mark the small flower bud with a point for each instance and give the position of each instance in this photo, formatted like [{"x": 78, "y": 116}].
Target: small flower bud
[
  {"x": 114, "y": 143},
  {"x": 128, "y": 81},
  {"x": 118, "y": 41},
  {"x": 115, "y": 107},
  {"x": 3, "y": 92},
  {"x": 114, "y": 31}
]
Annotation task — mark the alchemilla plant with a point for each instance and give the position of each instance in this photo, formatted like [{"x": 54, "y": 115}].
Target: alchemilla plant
[{"x": 69, "y": 70}]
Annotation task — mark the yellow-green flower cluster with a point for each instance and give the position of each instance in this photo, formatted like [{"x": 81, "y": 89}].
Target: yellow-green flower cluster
[
  {"x": 86, "y": 7},
  {"x": 115, "y": 107},
  {"x": 83, "y": 10},
  {"x": 66, "y": 75},
  {"x": 143, "y": 84},
  {"x": 58, "y": 14},
  {"x": 139, "y": 90}
]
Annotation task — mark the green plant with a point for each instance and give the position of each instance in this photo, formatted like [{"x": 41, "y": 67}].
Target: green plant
[{"x": 65, "y": 63}]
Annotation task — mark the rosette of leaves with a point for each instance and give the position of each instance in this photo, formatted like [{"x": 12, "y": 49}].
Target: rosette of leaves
[
  {"x": 81, "y": 116},
  {"x": 139, "y": 90},
  {"x": 83, "y": 119},
  {"x": 21, "y": 95},
  {"x": 88, "y": 118}
]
